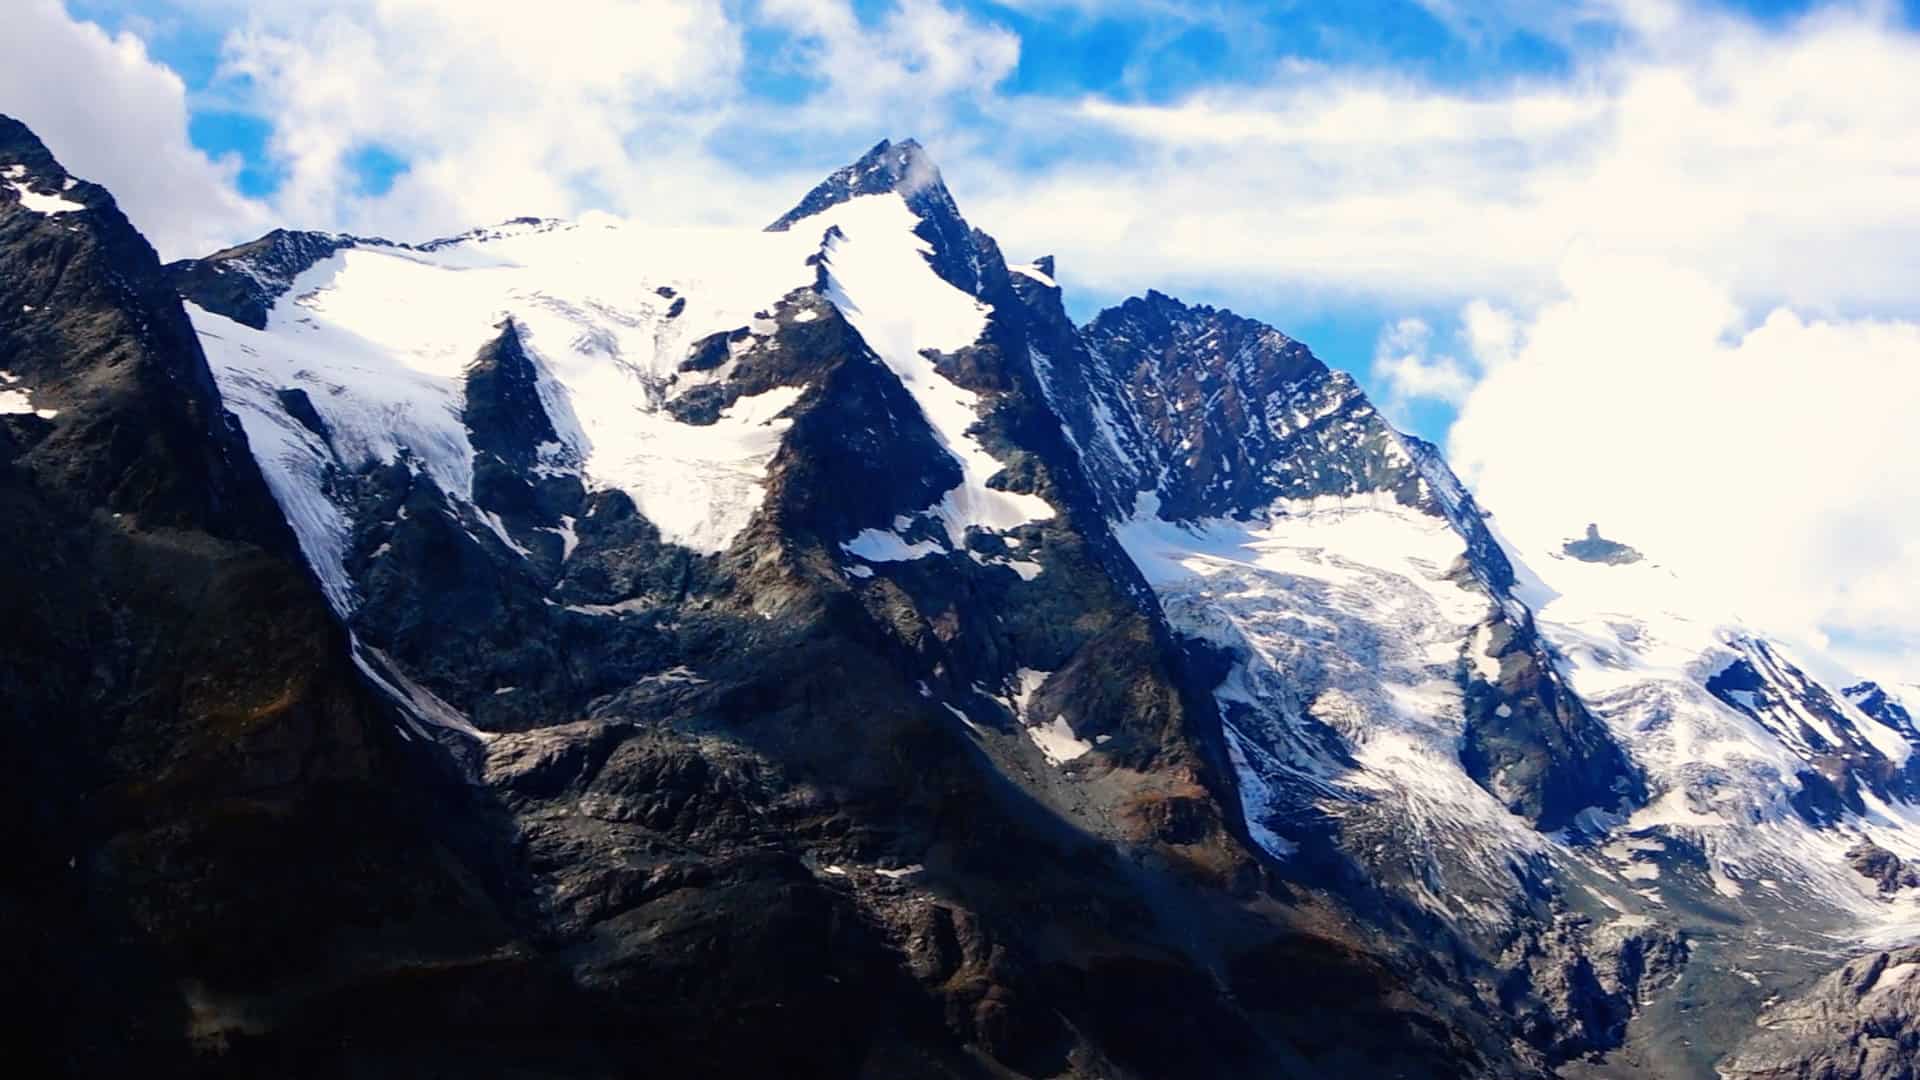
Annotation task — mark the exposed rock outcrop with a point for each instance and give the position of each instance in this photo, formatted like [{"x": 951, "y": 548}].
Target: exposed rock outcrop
[{"x": 1862, "y": 1022}]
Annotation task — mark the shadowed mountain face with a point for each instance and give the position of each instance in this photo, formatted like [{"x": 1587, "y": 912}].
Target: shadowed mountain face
[
  {"x": 606, "y": 651},
  {"x": 211, "y": 807}
]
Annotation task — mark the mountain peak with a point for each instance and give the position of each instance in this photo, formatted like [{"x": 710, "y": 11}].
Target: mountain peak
[
  {"x": 903, "y": 168},
  {"x": 26, "y": 162},
  {"x": 17, "y": 141}
]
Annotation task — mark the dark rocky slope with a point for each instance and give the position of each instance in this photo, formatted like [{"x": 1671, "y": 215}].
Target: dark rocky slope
[{"x": 210, "y": 814}]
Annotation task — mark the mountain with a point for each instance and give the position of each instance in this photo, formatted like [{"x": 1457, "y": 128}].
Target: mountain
[
  {"x": 207, "y": 807},
  {"x": 593, "y": 649}
]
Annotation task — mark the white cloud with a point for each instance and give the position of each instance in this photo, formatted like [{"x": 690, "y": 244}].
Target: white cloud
[
  {"x": 922, "y": 69},
  {"x": 1332, "y": 180},
  {"x": 622, "y": 105},
  {"x": 636, "y": 106},
  {"x": 1483, "y": 21},
  {"x": 1777, "y": 159},
  {"x": 1777, "y": 464},
  {"x": 113, "y": 115},
  {"x": 1404, "y": 364},
  {"x": 1491, "y": 334},
  {"x": 1408, "y": 367},
  {"x": 497, "y": 113},
  {"x": 920, "y": 51}
]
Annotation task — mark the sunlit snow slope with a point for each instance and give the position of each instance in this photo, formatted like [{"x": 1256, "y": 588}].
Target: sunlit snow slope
[{"x": 379, "y": 337}]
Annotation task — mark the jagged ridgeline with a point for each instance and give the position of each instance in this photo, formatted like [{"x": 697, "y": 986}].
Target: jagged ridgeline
[{"x": 594, "y": 649}]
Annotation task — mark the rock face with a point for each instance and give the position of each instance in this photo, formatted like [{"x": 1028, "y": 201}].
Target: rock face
[
  {"x": 904, "y": 169},
  {"x": 1595, "y": 548},
  {"x": 1889, "y": 872},
  {"x": 1844, "y": 763},
  {"x": 1591, "y": 979},
  {"x": 1862, "y": 1022},
  {"x": 1876, "y": 702}
]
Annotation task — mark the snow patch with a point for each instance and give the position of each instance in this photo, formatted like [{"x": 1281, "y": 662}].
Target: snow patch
[
  {"x": 1056, "y": 740},
  {"x": 965, "y": 719},
  {"x": 569, "y": 537},
  {"x": 1894, "y": 975},
  {"x": 36, "y": 202},
  {"x": 879, "y": 545},
  {"x": 418, "y": 704},
  {"x": 1026, "y": 682},
  {"x": 17, "y": 400},
  {"x": 1028, "y": 270}
]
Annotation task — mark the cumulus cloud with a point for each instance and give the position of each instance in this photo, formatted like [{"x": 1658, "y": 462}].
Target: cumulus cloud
[
  {"x": 1773, "y": 462},
  {"x": 1333, "y": 180},
  {"x": 636, "y": 106},
  {"x": 113, "y": 115}
]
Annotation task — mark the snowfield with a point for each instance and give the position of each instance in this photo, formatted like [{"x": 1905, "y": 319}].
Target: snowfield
[
  {"x": 17, "y": 399},
  {"x": 1340, "y": 615},
  {"x": 1639, "y": 646},
  {"x": 607, "y": 310},
  {"x": 1342, "y": 619},
  {"x": 890, "y": 293}
]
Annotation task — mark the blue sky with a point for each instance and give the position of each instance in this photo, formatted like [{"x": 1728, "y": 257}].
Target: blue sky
[{"x": 1646, "y": 262}]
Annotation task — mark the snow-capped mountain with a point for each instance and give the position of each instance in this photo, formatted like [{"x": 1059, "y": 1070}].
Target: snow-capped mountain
[{"x": 813, "y": 633}]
